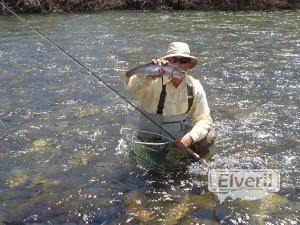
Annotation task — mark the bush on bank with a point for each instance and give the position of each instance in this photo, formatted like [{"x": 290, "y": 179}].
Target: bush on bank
[{"x": 53, "y": 6}]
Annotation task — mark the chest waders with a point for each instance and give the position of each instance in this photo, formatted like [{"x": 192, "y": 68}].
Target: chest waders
[{"x": 176, "y": 125}]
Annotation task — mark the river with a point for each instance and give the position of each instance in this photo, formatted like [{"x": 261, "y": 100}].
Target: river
[{"x": 61, "y": 154}]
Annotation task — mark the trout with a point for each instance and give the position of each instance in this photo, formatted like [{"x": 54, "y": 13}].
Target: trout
[{"x": 152, "y": 69}]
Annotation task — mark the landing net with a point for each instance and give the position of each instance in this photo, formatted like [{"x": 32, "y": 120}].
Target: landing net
[{"x": 152, "y": 151}]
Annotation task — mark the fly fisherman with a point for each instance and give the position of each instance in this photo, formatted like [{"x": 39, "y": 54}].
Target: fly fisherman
[{"x": 167, "y": 101}]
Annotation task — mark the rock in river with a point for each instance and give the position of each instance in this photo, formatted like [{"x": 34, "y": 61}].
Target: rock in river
[
  {"x": 16, "y": 177},
  {"x": 42, "y": 144}
]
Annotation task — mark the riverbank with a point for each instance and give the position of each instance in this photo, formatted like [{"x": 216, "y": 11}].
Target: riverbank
[{"x": 57, "y": 6}]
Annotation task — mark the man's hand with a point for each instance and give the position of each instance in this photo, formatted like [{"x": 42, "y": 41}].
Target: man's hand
[
  {"x": 160, "y": 61},
  {"x": 184, "y": 142}
]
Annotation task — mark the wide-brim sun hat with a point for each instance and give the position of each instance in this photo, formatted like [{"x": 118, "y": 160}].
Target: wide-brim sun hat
[{"x": 181, "y": 49}]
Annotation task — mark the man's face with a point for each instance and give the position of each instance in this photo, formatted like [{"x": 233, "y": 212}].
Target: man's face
[{"x": 181, "y": 62}]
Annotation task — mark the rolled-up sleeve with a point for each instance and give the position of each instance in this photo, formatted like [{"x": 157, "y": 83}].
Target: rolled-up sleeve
[{"x": 200, "y": 114}]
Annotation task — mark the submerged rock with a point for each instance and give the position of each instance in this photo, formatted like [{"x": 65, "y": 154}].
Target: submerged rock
[
  {"x": 205, "y": 201},
  {"x": 80, "y": 158},
  {"x": 179, "y": 212},
  {"x": 272, "y": 203},
  {"x": 89, "y": 111},
  {"x": 192, "y": 220},
  {"x": 142, "y": 215},
  {"x": 62, "y": 125},
  {"x": 260, "y": 210},
  {"x": 134, "y": 206},
  {"x": 2, "y": 145},
  {"x": 37, "y": 180},
  {"x": 240, "y": 114},
  {"x": 42, "y": 144},
  {"x": 130, "y": 49},
  {"x": 290, "y": 142},
  {"x": 135, "y": 199},
  {"x": 1, "y": 219},
  {"x": 16, "y": 177},
  {"x": 176, "y": 214},
  {"x": 234, "y": 113}
]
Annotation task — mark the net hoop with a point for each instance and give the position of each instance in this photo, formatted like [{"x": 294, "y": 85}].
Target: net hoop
[{"x": 125, "y": 130}]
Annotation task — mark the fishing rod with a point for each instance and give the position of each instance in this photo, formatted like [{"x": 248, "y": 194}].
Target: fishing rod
[{"x": 195, "y": 155}]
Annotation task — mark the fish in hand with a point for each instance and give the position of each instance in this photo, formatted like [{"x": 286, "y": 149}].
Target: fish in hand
[{"x": 155, "y": 70}]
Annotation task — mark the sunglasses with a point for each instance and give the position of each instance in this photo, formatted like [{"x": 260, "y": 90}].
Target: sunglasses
[{"x": 182, "y": 60}]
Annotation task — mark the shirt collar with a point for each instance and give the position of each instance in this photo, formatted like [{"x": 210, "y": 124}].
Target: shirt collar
[{"x": 167, "y": 79}]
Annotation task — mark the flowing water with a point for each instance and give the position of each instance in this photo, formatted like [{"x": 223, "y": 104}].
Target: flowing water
[{"x": 61, "y": 155}]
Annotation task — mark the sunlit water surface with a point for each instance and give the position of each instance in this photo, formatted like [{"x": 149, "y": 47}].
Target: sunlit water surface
[{"x": 61, "y": 156}]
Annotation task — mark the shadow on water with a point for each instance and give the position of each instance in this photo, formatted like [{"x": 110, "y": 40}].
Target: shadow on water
[{"x": 60, "y": 162}]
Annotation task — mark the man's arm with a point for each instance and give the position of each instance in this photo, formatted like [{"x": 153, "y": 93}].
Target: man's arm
[
  {"x": 138, "y": 86},
  {"x": 200, "y": 114},
  {"x": 200, "y": 117}
]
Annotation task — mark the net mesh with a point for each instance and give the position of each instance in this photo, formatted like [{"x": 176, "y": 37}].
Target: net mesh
[{"x": 152, "y": 151}]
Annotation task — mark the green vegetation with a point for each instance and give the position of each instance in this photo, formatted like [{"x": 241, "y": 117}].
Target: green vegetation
[{"x": 54, "y": 6}]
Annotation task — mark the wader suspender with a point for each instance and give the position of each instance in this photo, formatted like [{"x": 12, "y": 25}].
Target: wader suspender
[
  {"x": 190, "y": 97},
  {"x": 161, "y": 103}
]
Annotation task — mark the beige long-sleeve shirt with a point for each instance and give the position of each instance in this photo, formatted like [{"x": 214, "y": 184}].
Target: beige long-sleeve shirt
[{"x": 148, "y": 92}]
